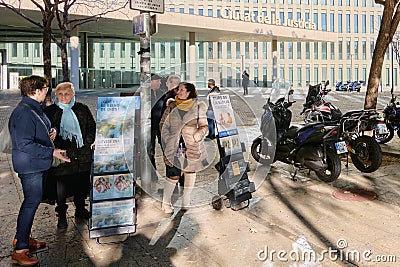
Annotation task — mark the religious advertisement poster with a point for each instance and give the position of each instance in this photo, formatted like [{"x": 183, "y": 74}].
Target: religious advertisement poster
[
  {"x": 231, "y": 145},
  {"x": 113, "y": 186},
  {"x": 112, "y": 214},
  {"x": 224, "y": 116},
  {"x": 115, "y": 134}
]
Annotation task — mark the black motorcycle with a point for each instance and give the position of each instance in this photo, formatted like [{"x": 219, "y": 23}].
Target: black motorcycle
[
  {"x": 304, "y": 147},
  {"x": 351, "y": 128},
  {"x": 391, "y": 116}
]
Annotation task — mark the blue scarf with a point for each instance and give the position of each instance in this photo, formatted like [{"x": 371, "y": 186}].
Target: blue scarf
[{"x": 69, "y": 126}]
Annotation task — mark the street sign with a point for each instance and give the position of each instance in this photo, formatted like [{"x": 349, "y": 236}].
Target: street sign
[
  {"x": 153, "y": 24},
  {"x": 138, "y": 24},
  {"x": 156, "y": 6}
]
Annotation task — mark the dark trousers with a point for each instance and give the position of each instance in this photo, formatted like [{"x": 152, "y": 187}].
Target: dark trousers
[
  {"x": 151, "y": 150},
  {"x": 32, "y": 187},
  {"x": 76, "y": 185},
  {"x": 211, "y": 127},
  {"x": 245, "y": 89}
]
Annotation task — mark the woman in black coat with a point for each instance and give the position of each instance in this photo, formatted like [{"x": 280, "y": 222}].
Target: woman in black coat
[{"x": 77, "y": 129}]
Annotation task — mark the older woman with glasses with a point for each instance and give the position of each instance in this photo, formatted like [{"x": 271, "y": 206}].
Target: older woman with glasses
[
  {"x": 77, "y": 129},
  {"x": 32, "y": 155}
]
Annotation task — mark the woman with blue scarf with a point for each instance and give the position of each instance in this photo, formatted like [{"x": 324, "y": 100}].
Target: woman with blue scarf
[{"x": 77, "y": 129}]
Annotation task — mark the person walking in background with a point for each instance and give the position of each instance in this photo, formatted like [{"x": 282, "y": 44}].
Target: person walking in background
[
  {"x": 214, "y": 90},
  {"x": 32, "y": 155},
  {"x": 245, "y": 82},
  {"x": 77, "y": 134},
  {"x": 157, "y": 102},
  {"x": 183, "y": 127}
]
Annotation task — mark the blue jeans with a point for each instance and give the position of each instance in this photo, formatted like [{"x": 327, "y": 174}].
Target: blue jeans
[
  {"x": 32, "y": 184},
  {"x": 211, "y": 123}
]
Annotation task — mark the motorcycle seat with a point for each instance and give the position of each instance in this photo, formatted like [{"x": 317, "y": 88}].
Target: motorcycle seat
[{"x": 294, "y": 130}]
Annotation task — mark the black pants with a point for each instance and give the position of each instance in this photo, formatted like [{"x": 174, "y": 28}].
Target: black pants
[
  {"x": 151, "y": 149},
  {"x": 76, "y": 185}
]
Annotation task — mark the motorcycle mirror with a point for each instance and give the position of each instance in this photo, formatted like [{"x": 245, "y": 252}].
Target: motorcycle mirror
[
  {"x": 290, "y": 95},
  {"x": 327, "y": 83}
]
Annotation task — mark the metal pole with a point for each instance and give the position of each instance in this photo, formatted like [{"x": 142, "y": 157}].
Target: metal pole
[
  {"x": 391, "y": 63},
  {"x": 145, "y": 104}
]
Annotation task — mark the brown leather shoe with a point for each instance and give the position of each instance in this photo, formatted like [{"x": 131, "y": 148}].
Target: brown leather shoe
[
  {"x": 24, "y": 258},
  {"x": 33, "y": 244}
]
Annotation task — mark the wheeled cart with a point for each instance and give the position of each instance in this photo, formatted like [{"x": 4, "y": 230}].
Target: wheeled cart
[{"x": 234, "y": 187}]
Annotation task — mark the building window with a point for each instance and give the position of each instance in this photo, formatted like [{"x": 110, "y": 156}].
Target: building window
[
  {"x": 298, "y": 76},
  {"x": 332, "y": 50},
  {"x": 308, "y": 75},
  {"x": 298, "y": 15},
  {"x": 348, "y": 49},
  {"x": 201, "y": 50},
  {"x": 153, "y": 50},
  {"x": 172, "y": 47},
  {"x": 371, "y": 3},
  {"x": 162, "y": 50},
  {"x": 323, "y": 2},
  {"x": 315, "y": 2},
  {"x": 332, "y": 22},
  {"x": 26, "y": 50},
  {"x": 316, "y": 79},
  {"x": 229, "y": 50},
  {"x": 340, "y": 48},
  {"x": 307, "y": 50},
  {"x": 356, "y": 78},
  {"x": 355, "y": 2},
  {"x": 356, "y": 23},
  {"x": 363, "y": 23},
  {"x": 14, "y": 50},
  {"x": 172, "y": 9},
  {"x": 379, "y": 21},
  {"x": 247, "y": 50},
  {"x": 210, "y": 50},
  {"x": 340, "y": 27},
  {"x": 371, "y": 23},
  {"x": 298, "y": 50},
  {"x": 290, "y": 50},
  {"x": 307, "y": 16},
  {"x": 290, "y": 15},
  {"x": 340, "y": 73},
  {"x": 210, "y": 12},
  {"x": 237, "y": 50},
  {"x": 340, "y": 3},
  {"x": 291, "y": 75},
  {"x": 201, "y": 12},
  {"x": 324, "y": 48},
  {"x": 364, "y": 3},
  {"x": 332, "y": 74},
  {"x": 315, "y": 50},
  {"x": 356, "y": 50},
  {"x": 218, "y": 13},
  {"x": 101, "y": 52},
  {"x": 112, "y": 50},
  {"x": 332, "y": 2},
  {"x": 282, "y": 17},
  {"x": 347, "y": 2},
  {"x": 324, "y": 78},
  {"x": 219, "y": 47},
  {"x": 191, "y": 11},
  {"x": 181, "y": 10},
  {"x": 387, "y": 76},
  {"x": 347, "y": 23},
  {"x": 132, "y": 49},
  {"x": 255, "y": 50},
  {"x": 387, "y": 53},
  {"x": 282, "y": 73},
  {"x": 264, "y": 50},
  {"x": 372, "y": 48},
  {"x": 36, "y": 51},
  {"x": 316, "y": 21},
  {"x": 281, "y": 50},
  {"x": 323, "y": 22},
  {"x": 348, "y": 74},
  {"x": 122, "y": 50},
  {"x": 364, "y": 74},
  {"x": 256, "y": 74},
  {"x": 364, "y": 50}
]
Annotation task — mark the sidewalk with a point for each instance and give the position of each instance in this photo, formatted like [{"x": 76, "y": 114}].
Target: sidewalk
[{"x": 281, "y": 212}]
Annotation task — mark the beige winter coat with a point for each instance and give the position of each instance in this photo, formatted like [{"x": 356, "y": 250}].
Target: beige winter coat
[{"x": 192, "y": 127}]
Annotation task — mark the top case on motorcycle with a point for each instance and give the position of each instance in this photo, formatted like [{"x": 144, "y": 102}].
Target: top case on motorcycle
[{"x": 300, "y": 133}]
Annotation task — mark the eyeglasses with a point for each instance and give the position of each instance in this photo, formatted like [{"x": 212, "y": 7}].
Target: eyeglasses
[{"x": 46, "y": 87}]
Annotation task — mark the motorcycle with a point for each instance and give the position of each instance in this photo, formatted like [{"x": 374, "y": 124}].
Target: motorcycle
[
  {"x": 304, "y": 147},
  {"x": 364, "y": 151},
  {"x": 391, "y": 117}
]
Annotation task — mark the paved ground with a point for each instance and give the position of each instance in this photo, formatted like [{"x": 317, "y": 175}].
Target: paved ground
[{"x": 287, "y": 216}]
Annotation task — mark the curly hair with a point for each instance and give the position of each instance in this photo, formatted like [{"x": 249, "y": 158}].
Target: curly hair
[{"x": 190, "y": 88}]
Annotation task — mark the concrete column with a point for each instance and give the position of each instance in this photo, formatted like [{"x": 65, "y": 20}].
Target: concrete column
[
  {"x": 274, "y": 60},
  {"x": 74, "y": 48},
  {"x": 192, "y": 57}
]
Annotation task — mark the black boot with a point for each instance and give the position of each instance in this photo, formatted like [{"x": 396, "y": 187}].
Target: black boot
[
  {"x": 82, "y": 213},
  {"x": 62, "y": 217}
]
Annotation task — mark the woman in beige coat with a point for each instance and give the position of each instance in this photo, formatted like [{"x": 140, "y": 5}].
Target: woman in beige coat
[{"x": 183, "y": 127}]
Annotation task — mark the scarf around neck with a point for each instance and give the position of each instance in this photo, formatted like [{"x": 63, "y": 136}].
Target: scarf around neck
[
  {"x": 69, "y": 126},
  {"x": 184, "y": 104}
]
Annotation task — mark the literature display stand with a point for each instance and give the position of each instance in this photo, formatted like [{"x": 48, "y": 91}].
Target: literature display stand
[
  {"x": 112, "y": 197},
  {"x": 233, "y": 183}
]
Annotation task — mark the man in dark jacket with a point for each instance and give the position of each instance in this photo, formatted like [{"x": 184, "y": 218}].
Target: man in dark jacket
[
  {"x": 245, "y": 82},
  {"x": 157, "y": 103}
]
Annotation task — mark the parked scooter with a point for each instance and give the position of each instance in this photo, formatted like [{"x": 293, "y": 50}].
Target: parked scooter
[
  {"x": 364, "y": 151},
  {"x": 391, "y": 115},
  {"x": 304, "y": 147}
]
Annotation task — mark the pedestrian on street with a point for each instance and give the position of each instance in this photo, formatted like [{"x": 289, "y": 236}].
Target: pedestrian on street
[
  {"x": 184, "y": 126},
  {"x": 157, "y": 102},
  {"x": 77, "y": 134},
  {"x": 32, "y": 156},
  {"x": 214, "y": 90},
  {"x": 245, "y": 82}
]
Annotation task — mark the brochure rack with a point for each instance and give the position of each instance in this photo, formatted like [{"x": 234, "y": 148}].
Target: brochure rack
[
  {"x": 112, "y": 197},
  {"x": 233, "y": 183}
]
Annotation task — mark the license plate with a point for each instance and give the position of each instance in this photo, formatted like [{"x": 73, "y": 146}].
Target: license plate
[
  {"x": 382, "y": 128},
  {"x": 341, "y": 147}
]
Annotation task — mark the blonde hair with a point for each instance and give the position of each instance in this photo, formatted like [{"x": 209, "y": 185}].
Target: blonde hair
[
  {"x": 65, "y": 86},
  {"x": 174, "y": 80}
]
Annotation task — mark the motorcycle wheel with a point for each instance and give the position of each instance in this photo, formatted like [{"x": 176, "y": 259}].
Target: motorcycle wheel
[
  {"x": 368, "y": 156},
  {"x": 256, "y": 152},
  {"x": 384, "y": 138},
  {"x": 334, "y": 167}
]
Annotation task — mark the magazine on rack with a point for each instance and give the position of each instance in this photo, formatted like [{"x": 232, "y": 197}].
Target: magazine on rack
[
  {"x": 112, "y": 213},
  {"x": 112, "y": 186},
  {"x": 224, "y": 116}
]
